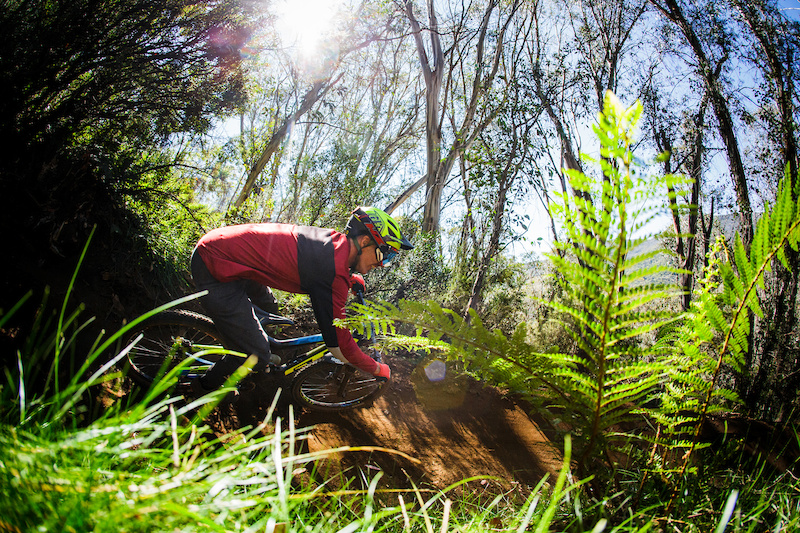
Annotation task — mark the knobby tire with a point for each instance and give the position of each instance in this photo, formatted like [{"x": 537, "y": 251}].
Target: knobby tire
[
  {"x": 147, "y": 359},
  {"x": 334, "y": 386}
]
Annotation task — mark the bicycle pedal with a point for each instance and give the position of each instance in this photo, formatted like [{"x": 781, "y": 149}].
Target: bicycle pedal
[{"x": 184, "y": 388}]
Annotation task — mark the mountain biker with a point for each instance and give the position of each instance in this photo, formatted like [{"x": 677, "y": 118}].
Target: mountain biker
[{"x": 238, "y": 264}]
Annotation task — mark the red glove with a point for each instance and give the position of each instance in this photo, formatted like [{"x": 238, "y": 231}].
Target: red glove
[
  {"x": 383, "y": 373},
  {"x": 357, "y": 284}
]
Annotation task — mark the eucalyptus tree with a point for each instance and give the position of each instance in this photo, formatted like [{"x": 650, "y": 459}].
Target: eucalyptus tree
[
  {"x": 497, "y": 172},
  {"x": 577, "y": 52},
  {"x": 603, "y": 36},
  {"x": 710, "y": 40},
  {"x": 679, "y": 136},
  {"x": 371, "y": 126},
  {"x": 460, "y": 58},
  {"x": 497, "y": 179},
  {"x": 302, "y": 105},
  {"x": 308, "y": 81},
  {"x": 772, "y": 48},
  {"x": 280, "y": 98},
  {"x": 274, "y": 88}
]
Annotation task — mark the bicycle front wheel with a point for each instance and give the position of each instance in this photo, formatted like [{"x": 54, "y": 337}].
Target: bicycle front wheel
[
  {"x": 169, "y": 338},
  {"x": 332, "y": 386}
]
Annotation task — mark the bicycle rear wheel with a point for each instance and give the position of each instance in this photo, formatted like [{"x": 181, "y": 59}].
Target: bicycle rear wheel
[
  {"x": 167, "y": 339},
  {"x": 333, "y": 386}
]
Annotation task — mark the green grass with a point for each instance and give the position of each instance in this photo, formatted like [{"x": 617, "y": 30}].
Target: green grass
[{"x": 151, "y": 464}]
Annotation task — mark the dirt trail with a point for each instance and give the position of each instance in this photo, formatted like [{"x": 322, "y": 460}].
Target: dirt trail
[{"x": 454, "y": 427}]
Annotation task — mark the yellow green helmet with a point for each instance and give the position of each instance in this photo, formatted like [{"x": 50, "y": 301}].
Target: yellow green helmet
[{"x": 381, "y": 227}]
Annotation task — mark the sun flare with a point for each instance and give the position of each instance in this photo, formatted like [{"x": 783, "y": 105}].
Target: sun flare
[{"x": 304, "y": 24}]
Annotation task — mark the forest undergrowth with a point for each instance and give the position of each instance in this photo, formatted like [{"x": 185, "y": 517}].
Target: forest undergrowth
[{"x": 150, "y": 463}]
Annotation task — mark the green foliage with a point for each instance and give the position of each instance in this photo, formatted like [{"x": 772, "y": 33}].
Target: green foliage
[
  {"x": 504, "y": 296},
  {"x": 509, "y": 360},
  {"x": 139, "y": 69},
  {"x": 611, "y": 372},
  {"x": 169, "y": 220},
  {"x": 149, "y": 464},
  {"x": 716, "y": 331},
  {"x": 614, "y": 378},
  {"x": 417, "y": 274},
  {"x": 595, "y": 390},
  {"x": 48, "y": 386},
  {"x": 96, "y": 94},
  {"x": 504, "y": 292}
]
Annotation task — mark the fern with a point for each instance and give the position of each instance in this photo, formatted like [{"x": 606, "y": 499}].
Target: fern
[
  {"x": 614, "y": 374},
  {"x": 729, "y": 292},
  {"x": 509, "y": 359},
  {"x": 590, "y": 393}
]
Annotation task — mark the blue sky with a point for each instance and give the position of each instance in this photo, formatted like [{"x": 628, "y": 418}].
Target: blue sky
[{"x": 791, "y": 8}]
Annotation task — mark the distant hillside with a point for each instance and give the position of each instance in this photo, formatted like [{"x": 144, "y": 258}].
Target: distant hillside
[
  {"x": 723, "y": 225},
  {"x": 663, "y": 258},
  {"x": 726, "y": 225}
]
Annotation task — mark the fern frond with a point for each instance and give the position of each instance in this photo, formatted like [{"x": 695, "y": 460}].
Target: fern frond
[
  {"x": 738, "y": 289},
  {"x": 468, "y": 340}
]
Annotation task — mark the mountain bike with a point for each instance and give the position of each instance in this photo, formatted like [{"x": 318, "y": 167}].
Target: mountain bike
[{"x": 313, "y": 377}]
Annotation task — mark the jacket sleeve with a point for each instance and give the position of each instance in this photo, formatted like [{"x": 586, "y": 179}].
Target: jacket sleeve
[
  {"x": 346, "y": 343},
  {"x": 329, "y": 290},
  {"x": 329, "y": 304}
]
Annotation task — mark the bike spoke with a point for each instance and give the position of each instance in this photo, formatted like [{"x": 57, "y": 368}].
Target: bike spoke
[
  {"x": 169, "y": 339},
  {"x": 334, "y": 386}
]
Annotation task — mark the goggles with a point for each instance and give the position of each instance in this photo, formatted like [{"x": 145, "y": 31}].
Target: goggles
[{"x": 385, "y": 254}]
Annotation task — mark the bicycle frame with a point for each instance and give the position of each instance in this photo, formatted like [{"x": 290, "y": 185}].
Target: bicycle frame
[
  {"x": 197, "y": 351},
  {"x": 185, "y": 344}
]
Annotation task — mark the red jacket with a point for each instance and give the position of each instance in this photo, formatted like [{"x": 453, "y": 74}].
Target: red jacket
[{"x": 299, "y": 259}]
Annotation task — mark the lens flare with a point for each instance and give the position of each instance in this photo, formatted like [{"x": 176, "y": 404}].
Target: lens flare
[
  {"x": 436, "y": 370},
  {"x": 439, "y": 385}
]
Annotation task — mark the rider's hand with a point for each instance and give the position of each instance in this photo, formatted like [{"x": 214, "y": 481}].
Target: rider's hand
[
  {"x": 357, "y": 284},
  {"x": 383, "y": 373}
]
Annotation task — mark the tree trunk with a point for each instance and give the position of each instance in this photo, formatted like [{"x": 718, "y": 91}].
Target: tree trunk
[
  {"x": 433, "y": 74},
  {"x": 476, "y": 295},
  {"x": 314, "y": 94},
  {"x": 673, "y": 12},
  {"x": 440, "y": 162},
  {"x": 686, "y": 245}
]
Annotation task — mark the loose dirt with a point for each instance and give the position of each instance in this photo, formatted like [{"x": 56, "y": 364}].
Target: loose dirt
[
  {"x": 437, "y": 429},
  {"x": 448, "y": 429}
]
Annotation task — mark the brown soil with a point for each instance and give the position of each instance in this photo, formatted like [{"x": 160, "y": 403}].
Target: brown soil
[
  {"x": 447, "y": 431},
  {"x": 434, "y": 434}
]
